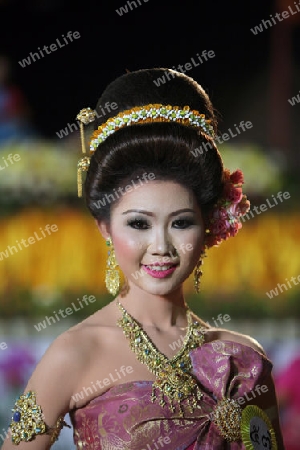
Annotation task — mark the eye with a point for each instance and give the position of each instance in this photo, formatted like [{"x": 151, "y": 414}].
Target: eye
[
  {"x": 138, "y": 224},
  {"x": 182, "y": 223}
]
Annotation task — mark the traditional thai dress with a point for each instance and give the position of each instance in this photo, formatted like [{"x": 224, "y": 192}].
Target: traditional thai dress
[{"x": 124, "y": 417}]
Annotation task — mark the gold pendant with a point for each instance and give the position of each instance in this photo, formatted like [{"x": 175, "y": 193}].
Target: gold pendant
[
  {"x": 178, "y": 387},
  {"x": 174, "y": 384}
]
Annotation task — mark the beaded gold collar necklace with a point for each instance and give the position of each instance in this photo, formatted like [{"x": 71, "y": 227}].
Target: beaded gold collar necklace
[{"x": 174, "y": 381}]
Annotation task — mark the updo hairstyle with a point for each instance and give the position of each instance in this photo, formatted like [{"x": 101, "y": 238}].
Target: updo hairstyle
[{"x": 164, "y": 149}]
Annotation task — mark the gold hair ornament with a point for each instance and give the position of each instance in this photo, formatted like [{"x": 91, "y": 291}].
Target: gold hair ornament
[
  {"x": 140, "y": 114},
  {"x": 150, "y": 113},
  {"x": 85, "y": 116},
  {"x": 28, "y": 422}
]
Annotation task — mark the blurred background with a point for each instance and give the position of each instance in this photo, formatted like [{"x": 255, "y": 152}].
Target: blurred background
[{"x": 254, "y": 77}]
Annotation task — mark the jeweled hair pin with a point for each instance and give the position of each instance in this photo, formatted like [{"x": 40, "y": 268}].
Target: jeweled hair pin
[
  {"x": 85, "y": 116},
  {"x": 140, "y": 114}
]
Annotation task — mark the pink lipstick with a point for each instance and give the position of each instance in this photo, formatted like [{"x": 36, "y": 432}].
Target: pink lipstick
[{"x": 161, "y": 273}]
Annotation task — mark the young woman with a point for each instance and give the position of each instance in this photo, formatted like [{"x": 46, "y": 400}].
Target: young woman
[{"x": 157, "y": 188}]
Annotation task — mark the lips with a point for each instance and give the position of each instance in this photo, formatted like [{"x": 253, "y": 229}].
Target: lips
[
  {"x": 162, "y": 263},
  {"x": 160, "y": 267},
  {"x": 159, "y": 270}
]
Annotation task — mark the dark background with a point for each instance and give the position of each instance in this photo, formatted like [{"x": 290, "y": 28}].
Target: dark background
[{"x": 154, "y": 34}]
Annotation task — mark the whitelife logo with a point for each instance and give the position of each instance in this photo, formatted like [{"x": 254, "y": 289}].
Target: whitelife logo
[
  {"x": 49, "y": 320},
  {"x": 73, "y": 127},
  {"x": 274, "y": 292},
  {"x": 218, "y": 321},
  {"x": 296, "y": 99},
  {"x": 49, "y": 229},
  {"x": 9, "y": 160},
  {"x": 124, "y": 9},
  {"x": 53, "y": 47},
  {"x": 265, "y": 206},
  {"x": 123, "y": 371},
  {"x": 279, "y": 17},
  {"x": 244, "y": 126},
  {"x": 108, "y": 198},
  {"x": 165, "y": 259},
  {"x": 194, "y": 62}
]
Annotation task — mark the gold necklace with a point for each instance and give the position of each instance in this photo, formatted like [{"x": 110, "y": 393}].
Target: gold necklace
[{"x": 174, "y": 381}]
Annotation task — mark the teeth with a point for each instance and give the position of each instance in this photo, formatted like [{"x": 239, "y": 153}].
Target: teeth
[{"x": 159, "y": 268}]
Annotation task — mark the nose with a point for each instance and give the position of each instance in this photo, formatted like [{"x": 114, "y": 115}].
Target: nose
[{"x": 162, "y": 243}]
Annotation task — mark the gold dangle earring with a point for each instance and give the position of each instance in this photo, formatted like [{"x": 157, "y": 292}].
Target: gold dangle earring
[
  {"x": 112, "y": 276},
  {"x": 198, "y": 272}
]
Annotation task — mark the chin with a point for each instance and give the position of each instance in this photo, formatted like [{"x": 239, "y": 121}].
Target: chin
[{"x": 161, "y": 290}]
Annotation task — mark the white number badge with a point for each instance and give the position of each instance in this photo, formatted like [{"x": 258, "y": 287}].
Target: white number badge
[{"x": 256, "y": 429}]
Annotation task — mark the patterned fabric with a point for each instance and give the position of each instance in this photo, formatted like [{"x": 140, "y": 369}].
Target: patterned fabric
[{"x": 125, "y": 418}]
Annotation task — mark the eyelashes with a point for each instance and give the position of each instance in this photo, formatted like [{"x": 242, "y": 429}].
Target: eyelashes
[
  {"x": 143, "y": 224},
  {"x": 183, "y": 223},
  {"x": 138, "y": 224}
]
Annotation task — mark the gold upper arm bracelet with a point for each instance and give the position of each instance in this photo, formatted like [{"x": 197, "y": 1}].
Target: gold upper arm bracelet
[{"x": 28, "y": 421}]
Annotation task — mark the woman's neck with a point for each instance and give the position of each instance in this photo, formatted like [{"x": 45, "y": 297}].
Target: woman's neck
[{"x": 159, "y": 311}]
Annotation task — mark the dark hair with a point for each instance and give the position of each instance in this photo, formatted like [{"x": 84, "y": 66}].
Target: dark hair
[{"x": 164, "y": 149}]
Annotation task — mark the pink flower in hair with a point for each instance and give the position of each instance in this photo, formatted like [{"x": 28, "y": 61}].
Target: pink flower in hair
[
  {"x": 244, "y": 205},
  {"x": 220, "y": 214},
  {"x": 232, "y": 193},
  {"x": 224, "y": 220},
  {"x": 237, "y": 177},
  {"x": 219, "y": 227}
]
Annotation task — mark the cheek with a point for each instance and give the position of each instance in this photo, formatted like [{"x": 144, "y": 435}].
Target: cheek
[
  {"x": 126, "y": 249},
  {"x": 190, "y": 254},
  {"x": 191, "y": 244}
]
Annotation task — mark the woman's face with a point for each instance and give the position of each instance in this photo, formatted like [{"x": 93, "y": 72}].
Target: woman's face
[{"x": 158, "y": 234}]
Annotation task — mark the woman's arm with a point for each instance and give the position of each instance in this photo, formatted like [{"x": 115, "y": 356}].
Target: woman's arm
[
  {"x": 266, "y": 400},
  {"x": 53, "y": 383}
]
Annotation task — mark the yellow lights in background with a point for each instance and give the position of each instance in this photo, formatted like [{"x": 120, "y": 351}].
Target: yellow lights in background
[{"x": 73, "y": 258}]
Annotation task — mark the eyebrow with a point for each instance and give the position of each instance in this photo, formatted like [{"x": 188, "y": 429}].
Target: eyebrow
[{"x": 148, "y": 213}]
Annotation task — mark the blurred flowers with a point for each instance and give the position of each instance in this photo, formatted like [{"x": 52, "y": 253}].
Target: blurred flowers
[
  {"x": 15, "y": 365},
  {"x": 73, "y": 260}
]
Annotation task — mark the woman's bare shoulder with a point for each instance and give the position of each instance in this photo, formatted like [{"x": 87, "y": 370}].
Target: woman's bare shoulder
[
  {"x": 61, "y": 361},
  {"x": 214, "y": 333},
  {"x": 70, "y": 353},
  {"x": 234, "y": 336}
]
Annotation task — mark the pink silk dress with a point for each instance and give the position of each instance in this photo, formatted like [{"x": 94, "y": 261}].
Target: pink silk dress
[{"x": 124, "y": 417}]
